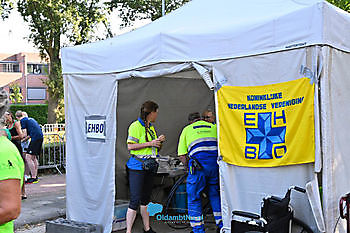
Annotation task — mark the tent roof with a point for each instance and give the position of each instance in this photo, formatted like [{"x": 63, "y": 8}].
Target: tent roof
[{"x": 205, "y": 30}]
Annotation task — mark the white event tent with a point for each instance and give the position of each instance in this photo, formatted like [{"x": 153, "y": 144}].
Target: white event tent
[{"x": 224, "y": 43}]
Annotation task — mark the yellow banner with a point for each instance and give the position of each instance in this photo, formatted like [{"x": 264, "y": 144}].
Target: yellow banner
[{"x": 267, "y": 126}]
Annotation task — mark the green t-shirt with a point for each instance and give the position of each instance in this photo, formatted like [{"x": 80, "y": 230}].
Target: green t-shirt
[
  {"x": 11, "y": 167},
  {"x": 194, "y": 133}
]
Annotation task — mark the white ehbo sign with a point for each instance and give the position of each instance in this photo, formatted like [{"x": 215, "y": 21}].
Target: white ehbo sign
[{"x": 95, "y": 128}]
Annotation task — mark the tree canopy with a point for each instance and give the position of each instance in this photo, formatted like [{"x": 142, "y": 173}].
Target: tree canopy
[
  {"x": 74, "y": 21},
  {"x": 52, "y": 20},
  {"x": 5, "y": 8},
  {"x": 132, "y": 10},
  {"x": 342, "y": 4}
]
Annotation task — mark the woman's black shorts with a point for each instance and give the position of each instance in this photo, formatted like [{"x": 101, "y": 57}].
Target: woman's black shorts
[{"x": 141, "y": 184}]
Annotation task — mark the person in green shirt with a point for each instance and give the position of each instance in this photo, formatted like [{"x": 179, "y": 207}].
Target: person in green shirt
[
  {"x": 11, "y": 176},
  {"x": 198, "y": 148},
  {"x": 143, "y": 144}
]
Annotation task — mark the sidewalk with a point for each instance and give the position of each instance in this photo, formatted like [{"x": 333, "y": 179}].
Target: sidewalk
[
  {"x": 46, "y": 200},
  {"x": 162, "y": 227}
]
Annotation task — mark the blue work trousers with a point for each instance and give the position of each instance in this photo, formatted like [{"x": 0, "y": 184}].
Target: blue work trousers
[{"x": 196, "y": 183}]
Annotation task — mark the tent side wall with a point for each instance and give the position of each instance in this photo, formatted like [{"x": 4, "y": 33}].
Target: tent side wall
[
  {"x": 242, "y": 188},
  {"x": 176, "y": 95},
  {"x": 335, "y": 111},
  {"x": 90, "y": 164},
  {"x": 91, "y": 179}
]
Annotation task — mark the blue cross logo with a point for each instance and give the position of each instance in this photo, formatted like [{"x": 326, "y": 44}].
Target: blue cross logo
[{"x": 265, "y": 135}]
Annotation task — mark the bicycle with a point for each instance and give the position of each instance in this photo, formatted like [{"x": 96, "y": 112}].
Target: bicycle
[{"x": 276, "y": 217}]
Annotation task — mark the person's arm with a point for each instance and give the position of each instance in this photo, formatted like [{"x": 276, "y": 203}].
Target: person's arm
[
  {"x": 137, "y": 146},
  {"x": 161, "y": 138},
  {"x": 20, "y": 135},
  {"x": 25, "y": 136},
  {"x": 134, "y": 133},
  {"x": 182, "y": 148},
  {"x": 10, "y": 200}
]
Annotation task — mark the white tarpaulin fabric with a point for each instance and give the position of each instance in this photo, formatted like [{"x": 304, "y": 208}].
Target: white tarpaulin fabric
[
  {"x": 90, "y": 164},
  {"x": 242, "y": 188},
  {"x": 335, "y": 108},
  {"x": 223, "y": 36},
  {"x": 211, "y": 30}
]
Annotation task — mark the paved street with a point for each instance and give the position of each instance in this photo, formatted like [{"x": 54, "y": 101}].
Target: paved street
[
  {"x": 37, "y": 228},
  {"x": 161, "y": 227},
  {"x": 47, "y": 200}
]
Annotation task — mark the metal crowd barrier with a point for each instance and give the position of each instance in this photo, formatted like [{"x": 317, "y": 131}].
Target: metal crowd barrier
[
  {"x": 54, "y": 148},
  {"x": 50, "y": 128}
]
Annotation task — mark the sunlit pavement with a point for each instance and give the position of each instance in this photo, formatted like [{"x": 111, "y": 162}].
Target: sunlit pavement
[{"x": 47, "y": 200}]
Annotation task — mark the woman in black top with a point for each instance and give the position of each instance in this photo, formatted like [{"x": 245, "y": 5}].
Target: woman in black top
[{"x": 14, "y": 127}]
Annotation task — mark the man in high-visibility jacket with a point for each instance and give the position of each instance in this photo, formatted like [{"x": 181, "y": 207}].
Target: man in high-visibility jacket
[{"x": 198, "y": 149}]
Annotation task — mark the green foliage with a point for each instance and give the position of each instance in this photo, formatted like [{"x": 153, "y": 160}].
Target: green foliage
[
  {"x": 342, "y": 4},
  {"x": 59, "y": 111},
  {"x": 131, "y": 10},
  {"x": 16, "y": 96},
  {"x": 36, "y": 111},
  {"x": 5, "y": 8},
  {"x": 51, "y": 20}
]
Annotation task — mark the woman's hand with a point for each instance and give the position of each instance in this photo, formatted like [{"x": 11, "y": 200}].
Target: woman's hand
[
  {"x": 155, "y": 143},
  {"x": 161, "y": 138}
]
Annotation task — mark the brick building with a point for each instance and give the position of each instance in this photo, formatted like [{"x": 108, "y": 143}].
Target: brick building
[{"x": 28, "y": 71}]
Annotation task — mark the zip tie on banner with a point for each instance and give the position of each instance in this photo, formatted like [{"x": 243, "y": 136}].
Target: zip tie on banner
[
  {"x": 307, "y": 72},
  {"x": 217, "y": 86},
  {"x": 219, "y": 79}
]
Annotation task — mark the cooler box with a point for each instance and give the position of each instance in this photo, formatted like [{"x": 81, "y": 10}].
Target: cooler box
[{"x": 119, "y": 219}]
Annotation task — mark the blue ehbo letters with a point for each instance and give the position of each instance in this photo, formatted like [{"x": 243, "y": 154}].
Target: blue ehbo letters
[
  {"x": 265, "y": 136},
  {"x": 95, "y": 128}
]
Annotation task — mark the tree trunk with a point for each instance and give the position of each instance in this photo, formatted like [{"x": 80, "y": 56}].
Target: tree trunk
[
  {"x": 54, "y": 85},
  {"x": 51, "y": 115}
]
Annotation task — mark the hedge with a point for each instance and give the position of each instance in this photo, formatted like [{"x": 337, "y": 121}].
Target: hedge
[{"x": 36, "y": 111}]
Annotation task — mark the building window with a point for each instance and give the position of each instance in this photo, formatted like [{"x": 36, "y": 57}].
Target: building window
[
  {"x": 36, "y": 93},
  {"x": 39, "y": 69},
  {"x": 9, "y": 67}
]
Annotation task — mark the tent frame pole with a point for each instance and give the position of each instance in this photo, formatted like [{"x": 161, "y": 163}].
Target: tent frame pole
[{"x": 163, "y": 7}]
